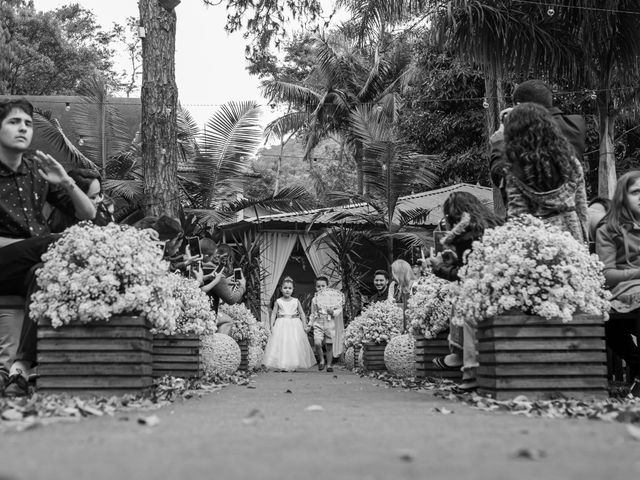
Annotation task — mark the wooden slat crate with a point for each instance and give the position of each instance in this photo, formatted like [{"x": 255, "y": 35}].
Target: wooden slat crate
[
  {"x": 529, "y": 355},
  {"x": 98, "y": 358},
  {"x": 176, "y": 355},
  {"x": 373, "y": 357},
  {"x": 429, "y": 348},
  {"x": 356, "y": 355},
  {"x": 244, "y": 355}
]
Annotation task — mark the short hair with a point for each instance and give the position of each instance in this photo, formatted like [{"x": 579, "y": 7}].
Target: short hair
[
  {"x": 21, "y": 104},
  {"x": 535, "y": 91},
  {"x": 166, "y": 226},
  {"x": 381, "y": 272},
  {"x": 208, "y": 246},
  {"x": 84, "y": 177},
  {"x": 322, "y": 278}
]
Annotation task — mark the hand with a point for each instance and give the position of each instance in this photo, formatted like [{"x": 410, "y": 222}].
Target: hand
[
  {"x": 198, "y": 276},
  {"x": 51, "y": 170},
  {"x": 436, "y": 260},
  {"x": 330, "y": 312}
]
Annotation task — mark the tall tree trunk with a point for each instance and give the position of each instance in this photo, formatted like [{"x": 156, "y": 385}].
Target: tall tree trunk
[
  {"x": 159, "y": 110},
  {"x": 607, "y": 157},
  {"x": 494, "y": 92}
]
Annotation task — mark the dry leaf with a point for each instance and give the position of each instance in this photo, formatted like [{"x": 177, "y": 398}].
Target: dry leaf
[
  {"x": 12, "y": 414},
  {"x": 530, "y": 453},
  {"x": 151, "y": 420},
  {"x": 314, "y": 408},
  {"x": 255, "y": 416},
  {"x": 443, "y": 410},
  {"x": 634, "y": 432}
]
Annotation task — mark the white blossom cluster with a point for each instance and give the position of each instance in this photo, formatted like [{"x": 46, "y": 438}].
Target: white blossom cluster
[
  {"x": 429, "y": 306},
  {"x": 378, "y": 323},
  {"x": 93, "y": 273},
  {"x": 532, "y": 267}
]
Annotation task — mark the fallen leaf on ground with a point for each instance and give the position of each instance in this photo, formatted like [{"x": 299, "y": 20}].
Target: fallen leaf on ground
[
  {"x": 314, "y": 408},
  {"x": 443, "y": 410},
  {"x": 151, "y": 420},
  {"x": 634, "y": 432},
  {"x": 530, "y": 453},
  {"x": 254, "y": 416},
  {"x": 406, "y": 455},
  {"x": 12, "y": 414},
  {"x": 288, "y": 391}
]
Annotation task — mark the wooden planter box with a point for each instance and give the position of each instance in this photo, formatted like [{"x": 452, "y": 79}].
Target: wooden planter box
[
  {"x": 529, "y": 355},
  {"x": 244, "y": 355},
  {"x": 429, "y": 348},
  {"x": 176, "y": 355},
  {"x": 101, "y": 358},
  {"x": 373, "y": 357},
  {"x": 356, "y": 355}
]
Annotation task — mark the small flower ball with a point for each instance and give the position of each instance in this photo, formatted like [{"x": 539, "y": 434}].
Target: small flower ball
[
  {"x": 254, "y": 357},
  {"x": 219, "y": 354},
  {"x": 400, "y": 356},
  {"x": 349, "y": 359}
]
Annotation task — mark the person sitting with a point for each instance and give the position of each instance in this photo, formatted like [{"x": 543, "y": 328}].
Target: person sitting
[
  {"x": 90, "y": 182},
  {"x": 572, "y": 127},
  {"x": 381, "y": 284},
  {"x": 27, "y": 181},
  {"x": 618, "y": 246},
  {"x": 544, "y": 177},
  {"x": 221, "y": 284},
  {"x": 467, "y": 220}
]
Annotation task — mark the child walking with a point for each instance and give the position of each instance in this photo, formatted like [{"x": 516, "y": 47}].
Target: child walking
[
  {"x": 288, "y": 347},
  {"x": 327, "y": 326}
]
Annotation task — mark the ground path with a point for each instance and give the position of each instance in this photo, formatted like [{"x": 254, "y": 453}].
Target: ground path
[{"x": 364, "y": 431}]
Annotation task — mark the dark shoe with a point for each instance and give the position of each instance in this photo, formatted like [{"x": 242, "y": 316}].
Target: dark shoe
[
  {"x": 17, "y": 386},
  {"x": 329, "y": 369},
  {"x": 468, "y": 385},
  {"x": 440, "y": 363},
  {"x": 635, "y": 388},
  {"x": 321, "y": 366}
]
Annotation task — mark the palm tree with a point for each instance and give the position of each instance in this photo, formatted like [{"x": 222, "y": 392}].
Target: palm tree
[
  {"x": 341, "y": 81},
  {"x": 391, "y": 169}
]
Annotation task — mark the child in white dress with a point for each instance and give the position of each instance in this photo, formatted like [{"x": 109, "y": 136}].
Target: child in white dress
[{"x": 288, "y": 347}]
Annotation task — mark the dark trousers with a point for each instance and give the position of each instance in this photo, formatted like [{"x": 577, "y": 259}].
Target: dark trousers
[
  {"x": 18, "y": 264},
  {"x": 618, "y": 333}
]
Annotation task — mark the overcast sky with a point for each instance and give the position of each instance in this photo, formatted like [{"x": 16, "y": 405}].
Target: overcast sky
[{"x": 210, "y": 65}]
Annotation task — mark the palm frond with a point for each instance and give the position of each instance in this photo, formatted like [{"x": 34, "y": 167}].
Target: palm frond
[
  {"x": 300, "y": 96},
  {"x": 288, "y": 123}
]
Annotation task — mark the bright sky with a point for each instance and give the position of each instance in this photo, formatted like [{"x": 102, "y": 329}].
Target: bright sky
[{"x": 210, "y": 65}]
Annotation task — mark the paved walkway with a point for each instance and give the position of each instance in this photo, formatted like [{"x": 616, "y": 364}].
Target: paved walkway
[{"x": 364, "y": 431}]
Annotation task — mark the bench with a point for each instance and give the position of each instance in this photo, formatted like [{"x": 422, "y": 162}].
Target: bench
[{"x": 11, "y": 315}]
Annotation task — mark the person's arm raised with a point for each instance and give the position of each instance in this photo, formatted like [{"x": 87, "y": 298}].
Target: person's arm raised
[{"x": 55, "y": 174}]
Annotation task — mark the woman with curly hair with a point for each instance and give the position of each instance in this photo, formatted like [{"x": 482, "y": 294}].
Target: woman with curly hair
[
  {"x": 544, "y": 178},
  {"x": 467, "y": 219}
]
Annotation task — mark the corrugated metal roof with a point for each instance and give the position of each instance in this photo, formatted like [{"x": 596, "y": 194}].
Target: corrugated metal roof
[{"x": 429, "y": 200}]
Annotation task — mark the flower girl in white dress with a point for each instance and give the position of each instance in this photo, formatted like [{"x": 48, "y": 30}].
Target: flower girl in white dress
[{"x": 288, "y": 347}]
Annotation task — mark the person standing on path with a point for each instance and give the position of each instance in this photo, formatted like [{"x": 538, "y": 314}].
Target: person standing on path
[
  {"x": 327, "y": 324},
  {"x": 288, "y": 347},
  {"x": 27, "y": 181}
]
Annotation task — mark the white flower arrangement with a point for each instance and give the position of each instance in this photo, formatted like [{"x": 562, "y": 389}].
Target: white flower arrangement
[
  {"x": 532, "y": 267},
  {"x": 378, "y": 323},
  {"x": 243, "y": 320},
  {"x": 92, "y": 273},
  {"x": 196, "y": 316},
  {"x": 259, "y": 336},
  {"x": 429, "y": 306}
]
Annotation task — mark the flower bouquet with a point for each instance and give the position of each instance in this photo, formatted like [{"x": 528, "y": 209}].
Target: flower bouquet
[
  {"x": 532, "y": 267},
  {"x": 93, "y": 273},
  {"x": 196, "y": 317},
  {"x": 429, "y": 306}
]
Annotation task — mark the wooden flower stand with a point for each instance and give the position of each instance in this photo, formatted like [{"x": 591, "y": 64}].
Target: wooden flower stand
[
  {"x": 101, "y": 358},
  {"x": 244, "y": 355},
  {"x": 529, "y": 355},
  {"x": 429, "y": 348},
  {"x": 356, "y": 355},
  {"x": 373, "y": 357},
  {"x": 176, "y": 355}
]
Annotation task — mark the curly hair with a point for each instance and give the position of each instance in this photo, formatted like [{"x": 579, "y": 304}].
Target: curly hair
[
  {"x": 534, "y": 142},
  {"x": 481, "y": 217}
]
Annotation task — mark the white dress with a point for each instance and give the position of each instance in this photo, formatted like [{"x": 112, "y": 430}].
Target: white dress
[{"x": 288, "y": 346}]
